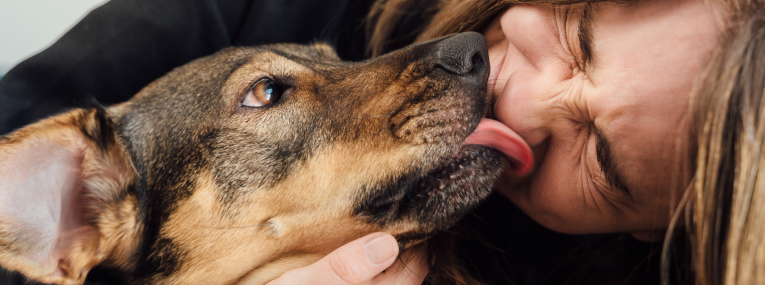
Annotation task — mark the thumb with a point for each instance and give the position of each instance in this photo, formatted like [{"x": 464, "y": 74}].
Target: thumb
[{"x": 354, "y": 263}]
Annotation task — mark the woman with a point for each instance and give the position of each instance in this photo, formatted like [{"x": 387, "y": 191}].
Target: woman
[{"x": 600, "y": 91}]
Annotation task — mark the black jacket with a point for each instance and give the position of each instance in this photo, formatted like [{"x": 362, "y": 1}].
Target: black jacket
[{"x": 125, "y": 44}]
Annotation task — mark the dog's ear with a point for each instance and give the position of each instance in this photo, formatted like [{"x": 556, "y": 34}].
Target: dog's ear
[{"x": 58, "y": 178}]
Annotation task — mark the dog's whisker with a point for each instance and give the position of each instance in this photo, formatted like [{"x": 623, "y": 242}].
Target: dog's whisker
[
  {"x": 485, "y": 222},
  {"x": 242, "y": 47},
  {"x": 137, "y": 173},
  {"x": 242, "y": 227},
  {"x": 378, "y": 116}
]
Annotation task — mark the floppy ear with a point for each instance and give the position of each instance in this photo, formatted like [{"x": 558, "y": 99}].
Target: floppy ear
[{"x": 59, "y": 178}]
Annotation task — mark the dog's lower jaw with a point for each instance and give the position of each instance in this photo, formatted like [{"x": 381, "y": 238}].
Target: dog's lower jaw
[{"x": 418, "y": 205}]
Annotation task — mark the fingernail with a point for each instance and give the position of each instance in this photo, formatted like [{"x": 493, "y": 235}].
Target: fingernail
[{"x": 380, "y": 249}]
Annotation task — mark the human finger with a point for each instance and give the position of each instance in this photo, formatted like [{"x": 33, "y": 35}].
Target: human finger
[
  {"x": 354, "y": 263},
  {"x": 409, "y": 269}
]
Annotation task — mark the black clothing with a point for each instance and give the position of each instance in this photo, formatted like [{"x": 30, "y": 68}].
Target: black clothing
[{"x": 125, "y": 44}]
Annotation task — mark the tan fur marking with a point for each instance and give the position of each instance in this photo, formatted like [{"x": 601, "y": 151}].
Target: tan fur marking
[
  {"x": 237, "y": 247},
  {"x": 121, "y": 229},
  {"x": 315, "y": 219}
]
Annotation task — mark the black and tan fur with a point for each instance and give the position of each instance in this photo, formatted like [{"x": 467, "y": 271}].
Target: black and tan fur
[{"x": 183, "y": 185}]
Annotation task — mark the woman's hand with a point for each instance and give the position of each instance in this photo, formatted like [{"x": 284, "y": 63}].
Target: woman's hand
[{"x": 362, "y": 261}]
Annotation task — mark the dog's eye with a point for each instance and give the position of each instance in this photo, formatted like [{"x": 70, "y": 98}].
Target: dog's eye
[{"x": 263, "y": 93}]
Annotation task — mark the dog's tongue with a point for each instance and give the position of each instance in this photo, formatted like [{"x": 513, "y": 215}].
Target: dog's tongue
[{"x": 494, "y": 134}]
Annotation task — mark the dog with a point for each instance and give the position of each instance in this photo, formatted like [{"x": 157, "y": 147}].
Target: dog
[{"x": 242, "y": 165}]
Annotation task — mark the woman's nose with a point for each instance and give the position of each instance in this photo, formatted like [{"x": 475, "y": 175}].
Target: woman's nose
[{"x": 534, "y": 90}]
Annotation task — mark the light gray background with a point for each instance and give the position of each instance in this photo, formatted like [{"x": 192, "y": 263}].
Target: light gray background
[{"x": 29, "y": 26}]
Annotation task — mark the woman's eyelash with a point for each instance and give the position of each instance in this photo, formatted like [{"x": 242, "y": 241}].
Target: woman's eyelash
[
  {"x": 607, "y": 164},
  {"x": 585, "y": 34},
  {"x": 582, "y": 17}
]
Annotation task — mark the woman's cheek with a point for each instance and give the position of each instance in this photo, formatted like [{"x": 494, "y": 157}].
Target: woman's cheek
[
  {"x": 497, "y": 53},
  {"x": 559, "y": 192},
  {"x": 552, "y": 197}
]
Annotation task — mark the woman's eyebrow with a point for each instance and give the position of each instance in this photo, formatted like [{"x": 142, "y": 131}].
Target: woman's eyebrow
[
  {"x": 608, "y": 165},
  {"x": 585, "y": 33}
]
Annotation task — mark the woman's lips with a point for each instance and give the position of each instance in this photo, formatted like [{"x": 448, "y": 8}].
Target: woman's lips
[{"x": 494, "y": 134}]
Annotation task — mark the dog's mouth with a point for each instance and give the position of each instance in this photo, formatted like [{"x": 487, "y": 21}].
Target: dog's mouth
[{"x": 460, "y": 181}]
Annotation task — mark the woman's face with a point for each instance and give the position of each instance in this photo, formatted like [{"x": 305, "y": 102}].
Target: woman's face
[{"x": 610, "y": 137}]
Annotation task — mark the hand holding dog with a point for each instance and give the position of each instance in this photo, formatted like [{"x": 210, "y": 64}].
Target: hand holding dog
[{"x": 362, "y": 261}]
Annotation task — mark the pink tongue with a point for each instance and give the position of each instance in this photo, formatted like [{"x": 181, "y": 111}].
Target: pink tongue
[{"x": 494, "y": 134}]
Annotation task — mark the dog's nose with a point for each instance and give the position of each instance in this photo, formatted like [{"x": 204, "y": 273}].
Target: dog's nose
[{"x": 463, "y": 54}]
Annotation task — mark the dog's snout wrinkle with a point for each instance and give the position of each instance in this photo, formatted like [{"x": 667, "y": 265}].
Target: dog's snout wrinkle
[{"x": 446, "y": 120}]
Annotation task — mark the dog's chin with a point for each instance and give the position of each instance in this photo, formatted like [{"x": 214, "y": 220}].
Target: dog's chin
[
  {"x": 454, "y": 185},
  {"x": 437, "y": 199},
  {"x": 468, "y": 164},
  {"x": 434, "y": 198}
]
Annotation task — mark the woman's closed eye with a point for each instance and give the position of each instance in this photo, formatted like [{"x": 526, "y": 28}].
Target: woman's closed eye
[
  {"x": 608, "y": 165},
  {"x": 578, "y": 33}
]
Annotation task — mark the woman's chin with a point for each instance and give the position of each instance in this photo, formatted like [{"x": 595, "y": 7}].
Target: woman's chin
[{"x": 509, "y": 183}]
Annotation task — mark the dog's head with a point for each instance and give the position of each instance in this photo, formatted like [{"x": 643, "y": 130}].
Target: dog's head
[{"x": 250, "y": 162}]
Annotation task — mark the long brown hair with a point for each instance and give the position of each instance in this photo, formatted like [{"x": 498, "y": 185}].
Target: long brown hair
[
  {"x": 444, "y": 17},
  {"x": 727, "y": 224},
  {"x": 725, "y": 204}
]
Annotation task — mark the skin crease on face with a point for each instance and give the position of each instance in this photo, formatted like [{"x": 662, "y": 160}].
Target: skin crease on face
[{"x": 633, "y": 93}]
